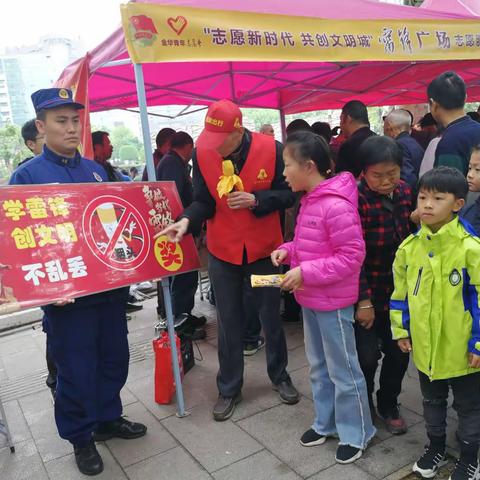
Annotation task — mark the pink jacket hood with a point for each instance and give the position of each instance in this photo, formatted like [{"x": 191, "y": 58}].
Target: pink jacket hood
[{"x": 328, "y": 245}]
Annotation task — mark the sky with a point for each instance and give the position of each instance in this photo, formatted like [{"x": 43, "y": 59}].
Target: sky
[{"x": 23, "y": 22}]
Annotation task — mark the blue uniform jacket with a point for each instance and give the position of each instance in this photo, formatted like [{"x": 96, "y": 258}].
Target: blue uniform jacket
[{"x": 48, "y": 167}]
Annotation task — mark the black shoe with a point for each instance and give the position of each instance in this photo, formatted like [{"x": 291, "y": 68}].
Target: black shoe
[
  {"x": 131, "y": 307},
  {"x": 465, "y": 471},
  {"x": 252, "y": 348},
  {"x": 89, "y": 461},
  {"x": 347, "y": 454},
  {"x": 429, "y": 463},
  {"x": 197, "y": 321},
  {"x": 225, "y": 407},
  {"x": 288, "y": 393},
  {"x": 311, "y": 438},
  {"x": 193, "y": 334},
  {"x": 120, "y": 428}
]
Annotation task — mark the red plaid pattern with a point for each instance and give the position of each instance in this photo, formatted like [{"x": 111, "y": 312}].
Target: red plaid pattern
[{"x": 385, "y": 224}]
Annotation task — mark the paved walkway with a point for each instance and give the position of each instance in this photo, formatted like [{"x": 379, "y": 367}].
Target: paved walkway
[{"x": 260, "y": 441}]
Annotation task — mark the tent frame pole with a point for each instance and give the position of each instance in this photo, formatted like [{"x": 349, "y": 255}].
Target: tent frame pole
[
  {"x": 142, "y": 105},
  {"x": 283, "y": 125}
]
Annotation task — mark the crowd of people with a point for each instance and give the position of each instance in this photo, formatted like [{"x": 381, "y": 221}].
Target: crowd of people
[{"x": 377, "y": 248}]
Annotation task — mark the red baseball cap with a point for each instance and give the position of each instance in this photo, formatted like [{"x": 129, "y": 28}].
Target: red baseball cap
[{"x": 223, "y": 118}]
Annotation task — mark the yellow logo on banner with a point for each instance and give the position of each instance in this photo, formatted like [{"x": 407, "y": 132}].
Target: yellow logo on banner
[
  {"x": 168, "y": 254},
  {"x": 62, "y": 93},
  {"x": 262, "y": 174}
]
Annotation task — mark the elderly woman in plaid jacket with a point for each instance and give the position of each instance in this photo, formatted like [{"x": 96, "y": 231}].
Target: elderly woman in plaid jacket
[{"x": 385, "y": 204}]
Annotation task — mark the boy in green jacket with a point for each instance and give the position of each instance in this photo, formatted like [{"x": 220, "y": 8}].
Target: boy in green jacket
[{"x": 434, "y": 311}]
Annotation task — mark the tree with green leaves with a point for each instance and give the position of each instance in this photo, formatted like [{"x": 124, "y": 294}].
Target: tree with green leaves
[{"x": 12, "y": 150}]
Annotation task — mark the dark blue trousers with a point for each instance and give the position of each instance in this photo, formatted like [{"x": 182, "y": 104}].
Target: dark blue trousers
[{"x": 90, "y": 348}]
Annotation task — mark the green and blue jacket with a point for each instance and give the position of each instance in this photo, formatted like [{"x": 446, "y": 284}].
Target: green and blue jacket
[{"x": 436, "y": 298}]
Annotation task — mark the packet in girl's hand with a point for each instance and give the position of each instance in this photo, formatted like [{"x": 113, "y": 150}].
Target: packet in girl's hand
[{"x": 267, "y": 280}]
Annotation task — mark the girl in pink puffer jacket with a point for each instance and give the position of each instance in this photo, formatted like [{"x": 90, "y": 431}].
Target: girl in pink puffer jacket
[{"x": 326, "y": 256}]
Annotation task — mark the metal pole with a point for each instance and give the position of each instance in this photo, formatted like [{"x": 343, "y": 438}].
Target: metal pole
[
  {"x": 142, "y": 105},
  {"x": 173, "y": 346},
  {"x": 283, "y": 125}
]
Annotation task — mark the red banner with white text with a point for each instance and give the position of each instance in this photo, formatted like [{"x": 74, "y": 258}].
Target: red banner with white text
[{"x": 71, "y": 240}]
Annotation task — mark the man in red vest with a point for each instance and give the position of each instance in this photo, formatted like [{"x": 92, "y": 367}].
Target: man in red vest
[{"x": 243, "y": 227}]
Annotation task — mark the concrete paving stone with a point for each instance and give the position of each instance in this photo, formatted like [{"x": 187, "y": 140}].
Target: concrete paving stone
[
  {"x": 24, "y": 464},
  {"x": 297, "y": 359},
  {"x": 157, "y": 439},
  {"x": 65, "y": 468},
  {"x": 279, "y": 429},
  {"x": 17, "y": 424},
  {"x": 258, "y": 395},
  {"x": 44, "y": 431},
  {"x": 143, "y": 333},
  {"x": 350, "y": 472},
  {"x": 411, "y": 418},
  {"x": 35, "y": 404},
  {"x": 213, "y": 444},
  {"x": 42, "y": 424},
  {"x": 175, "y": 464},
  {"x": 390, "y": 455},
  {"x": 13, "y": 344},
  {"x": 260, "y": 466},
  {"x": 141, "y": 369},
  {"x": 127, "y": 397},
  {"x": 301, "y": 380},
  {"x": 143, "y": 389},
  {"x": 24, "y": 362},
  {"x": 3, "y": 372}
]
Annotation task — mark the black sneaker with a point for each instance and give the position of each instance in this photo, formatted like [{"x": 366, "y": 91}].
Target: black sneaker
[
  {"x": 465, "y": 471},
  {"x": 347, "y": 454},
  {"x": 89, "y": 461},
  {"x": 311, "y": 438},
  {"x": 429, "y": 463},
  {"x": 225, "y": 407},
  {"x": 252, "y": 348},
  {"x": 287, "y": 392},
  {"x": 197, "y": 321}
]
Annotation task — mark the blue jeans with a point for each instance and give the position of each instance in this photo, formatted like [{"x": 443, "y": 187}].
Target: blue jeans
[{"x": 338, "y": 385}]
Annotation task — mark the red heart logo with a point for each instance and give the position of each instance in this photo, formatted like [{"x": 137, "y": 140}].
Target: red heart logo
[{"x": 178, "y": 24}]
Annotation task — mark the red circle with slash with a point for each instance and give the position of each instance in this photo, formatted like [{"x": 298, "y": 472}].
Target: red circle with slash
[{"x": 116, "y": 232}]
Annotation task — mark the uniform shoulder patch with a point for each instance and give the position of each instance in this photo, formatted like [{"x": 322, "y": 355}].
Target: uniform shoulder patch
[{"x": 97, "y": 177}]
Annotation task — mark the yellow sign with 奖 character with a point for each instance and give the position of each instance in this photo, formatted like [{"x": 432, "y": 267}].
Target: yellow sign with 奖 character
[{"x": 165, "y": 33}]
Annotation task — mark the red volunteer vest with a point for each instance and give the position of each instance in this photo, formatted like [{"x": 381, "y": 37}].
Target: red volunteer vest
[{"x": 229, "y": 232}]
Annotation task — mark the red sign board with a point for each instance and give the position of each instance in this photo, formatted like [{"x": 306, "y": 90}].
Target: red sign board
[{"x": 70, "y": 240}]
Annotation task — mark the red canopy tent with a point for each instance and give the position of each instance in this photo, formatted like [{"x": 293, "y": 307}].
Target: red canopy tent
[
  {"x": 300, "y": 76},
  {"x": 288, "y": 86}
]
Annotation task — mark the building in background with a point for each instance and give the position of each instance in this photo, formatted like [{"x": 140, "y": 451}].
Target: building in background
[{"x": 26, "y": 69}]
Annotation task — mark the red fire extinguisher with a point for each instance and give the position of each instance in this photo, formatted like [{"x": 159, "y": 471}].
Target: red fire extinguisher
[{"x": 164, "y": 380}]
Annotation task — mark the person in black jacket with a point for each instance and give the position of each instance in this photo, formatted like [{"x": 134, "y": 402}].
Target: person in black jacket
[
  {"x": 471, "y": 212},
  {"x": 355, "y": 125},
  {"x": 174, "y": 167}
]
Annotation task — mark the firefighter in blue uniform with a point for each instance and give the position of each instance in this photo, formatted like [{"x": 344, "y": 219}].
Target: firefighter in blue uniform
[{"x": 87, "y": 336}]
